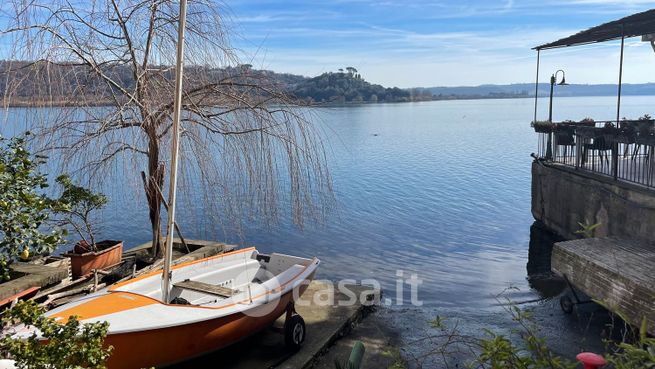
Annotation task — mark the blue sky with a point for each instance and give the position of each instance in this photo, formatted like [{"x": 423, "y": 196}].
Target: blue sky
[{"x": 435, "y": 43}]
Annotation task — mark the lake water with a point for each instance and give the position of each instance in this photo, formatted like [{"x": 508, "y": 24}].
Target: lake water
[{"x": 440, "y": 189}]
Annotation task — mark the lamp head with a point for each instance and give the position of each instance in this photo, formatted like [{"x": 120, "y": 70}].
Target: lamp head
[{"x": 553, "y": 78}]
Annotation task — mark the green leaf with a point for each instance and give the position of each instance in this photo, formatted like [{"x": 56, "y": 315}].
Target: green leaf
[
  {"x": 23, "y": 209},
  {"x": 67, "y": 346}
]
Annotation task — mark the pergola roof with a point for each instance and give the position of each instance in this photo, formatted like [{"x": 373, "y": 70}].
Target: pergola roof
[{"x": 634, "y": 25}]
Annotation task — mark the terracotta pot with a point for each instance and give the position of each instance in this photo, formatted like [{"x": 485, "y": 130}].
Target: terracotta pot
[{"x": 109, "y": 253}]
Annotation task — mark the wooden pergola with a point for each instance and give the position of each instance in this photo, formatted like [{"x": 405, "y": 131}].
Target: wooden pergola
[{"x": 640, "y": 24}]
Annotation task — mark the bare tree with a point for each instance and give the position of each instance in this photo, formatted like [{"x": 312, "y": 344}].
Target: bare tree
[{"x": 243, "y": 142}]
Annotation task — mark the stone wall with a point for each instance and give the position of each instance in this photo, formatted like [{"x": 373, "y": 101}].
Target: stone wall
[{"x": 562, "y": 197}]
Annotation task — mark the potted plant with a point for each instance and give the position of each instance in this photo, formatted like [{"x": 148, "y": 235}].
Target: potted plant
[
  {"x": 610, "y": 132},
  {"x": 645, "y": 125},
  {"x": 588, "y": 122},
  {"x": 646, "y": 137},
  {"x": 77, "y": 206},
  {"x": 626, "y": 132},
  {"x": 564, "y": 133},
  {"x": 542, "y": 126},
  {"x": 626, "y": 135}
]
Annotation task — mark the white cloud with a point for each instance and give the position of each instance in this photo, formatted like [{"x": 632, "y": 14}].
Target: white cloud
[{"x": 447, "y": 43}]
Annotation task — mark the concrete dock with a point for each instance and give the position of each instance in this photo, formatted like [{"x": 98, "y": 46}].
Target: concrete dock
[
  {"x": 326, "y": 324},
  {"x": 617, "y": 267},
  {"x": 30, "y": 278},
  {"x": 617, "y": 272},
  {"x": 563, "y": 197}
]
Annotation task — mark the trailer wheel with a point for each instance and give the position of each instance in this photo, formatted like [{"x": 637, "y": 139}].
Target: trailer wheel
[
  {"x": 566, "y": 304},
  {"x": 294, "y": 332}
]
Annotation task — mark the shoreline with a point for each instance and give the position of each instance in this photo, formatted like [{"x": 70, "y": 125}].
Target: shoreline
[
  {"x": 98, "y": 104},
  {"x": 68, "y": 104}
]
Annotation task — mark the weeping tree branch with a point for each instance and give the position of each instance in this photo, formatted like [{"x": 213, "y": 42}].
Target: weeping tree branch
[{"x": 254, "y": 150}]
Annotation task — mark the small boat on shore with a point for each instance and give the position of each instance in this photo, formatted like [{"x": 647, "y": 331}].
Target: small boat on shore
[{"x": 215, "y": 302}]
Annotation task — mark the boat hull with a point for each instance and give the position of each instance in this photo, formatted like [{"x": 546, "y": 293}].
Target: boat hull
[{"x": 166, "y": 346}]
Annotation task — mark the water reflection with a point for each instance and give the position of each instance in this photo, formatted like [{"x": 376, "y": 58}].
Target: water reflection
[
  {"x": 540, "y": 278},
  {"x": 441, "y": 189}
]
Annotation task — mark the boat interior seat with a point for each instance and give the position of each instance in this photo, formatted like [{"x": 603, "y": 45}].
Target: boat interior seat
[
  {"x": 207, "y": 288},
  {"x": 274, "y": 283},
  {"x": 279, "y": 263}
]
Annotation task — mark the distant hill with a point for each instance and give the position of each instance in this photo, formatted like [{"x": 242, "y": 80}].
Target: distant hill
[
  {"x": 527, "y": 90},
  {"x": 344, "y": 87},
  {"x": 24, "y": 83},
  {"x": 62, "y": 83}
]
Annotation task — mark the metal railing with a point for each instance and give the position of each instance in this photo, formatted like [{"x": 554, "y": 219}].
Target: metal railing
[{"x": 624, "y": 153}]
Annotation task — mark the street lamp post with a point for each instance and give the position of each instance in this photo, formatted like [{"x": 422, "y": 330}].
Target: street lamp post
[{"x": 553, "y": 82}]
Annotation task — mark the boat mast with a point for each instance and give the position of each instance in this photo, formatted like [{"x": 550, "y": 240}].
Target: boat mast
[{"x": 177, "y": 109}]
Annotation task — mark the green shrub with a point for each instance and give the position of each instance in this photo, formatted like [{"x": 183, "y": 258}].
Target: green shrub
[
  {"x": 523, "y": 348},
  {"x": 499, "y": 352},
  {"x": 587, "y": 230},
  {"x": 23, "y": 207},
  {"x": 76, "y": 206},
  {"x": 68, "y": 346},
  {"x": 640, "y": 354}
]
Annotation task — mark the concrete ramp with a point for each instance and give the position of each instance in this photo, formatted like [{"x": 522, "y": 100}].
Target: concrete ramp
[
  {"x": 618, "y": 272},
  {"x": 329, "y": 315}
]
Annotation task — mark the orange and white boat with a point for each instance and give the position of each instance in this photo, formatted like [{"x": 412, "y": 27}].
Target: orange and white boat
[{"x": 215, "y": 302}]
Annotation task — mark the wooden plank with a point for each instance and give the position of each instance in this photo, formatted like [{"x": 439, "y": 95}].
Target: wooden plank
[
  {"x": 65, "y": 284},
  {"x": 205, "y": 288},
  {"x": 194, "y": 245},
  {"x": 19, "y": 295},
  {"x": 618, "y": 272},
  {"x": 34, "y": 275}
]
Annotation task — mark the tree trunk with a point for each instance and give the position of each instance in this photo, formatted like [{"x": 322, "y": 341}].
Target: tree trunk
[{"x": 153, "y": 186}]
